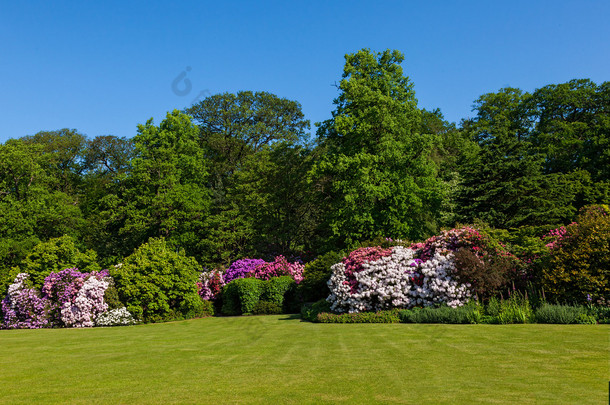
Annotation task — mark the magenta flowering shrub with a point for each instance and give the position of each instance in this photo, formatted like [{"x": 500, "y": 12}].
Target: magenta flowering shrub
[
  {"x": 277, "y": 268},
  {"x": 241, "y": 269},
  {"x": 23, "y": 308}
]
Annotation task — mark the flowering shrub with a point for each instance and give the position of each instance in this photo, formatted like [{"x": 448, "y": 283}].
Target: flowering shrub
[
  {"x": 241, "y": 269},
  {"x": 115, "y": 317},
  {"x": 210, "y": 284},
  {"x": 395, "y": 278},
  {"x": 75, "y": 298},
  {"x": 279, "y": 267},
  {"x": 23, "y": 307},
  {"x": 88, "y": 303}
]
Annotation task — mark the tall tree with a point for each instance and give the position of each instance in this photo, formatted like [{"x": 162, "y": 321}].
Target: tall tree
[
  {"x": 377, "y": 176},
  {"x": 505, "y": 184}
]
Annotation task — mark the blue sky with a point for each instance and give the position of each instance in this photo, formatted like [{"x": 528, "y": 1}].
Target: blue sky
[{"x": 104, "y": 67}]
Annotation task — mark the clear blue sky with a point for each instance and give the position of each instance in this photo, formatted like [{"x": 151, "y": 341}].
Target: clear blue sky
[{"x": 104, "y": 67}]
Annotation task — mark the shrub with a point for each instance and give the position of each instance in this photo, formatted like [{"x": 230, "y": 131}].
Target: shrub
[
  {"x": 444, "y": 314},
  {"x": 276, "y": 289},
  {"x": 266, "y": 308},
  {"x": 157, "y": 283},
  {"x": 241, "y": 268},
  {"x": 374, "y": 279},
  {"x": 601, "y": 314},
  {"x": 279, "y": 267},
  {"x": 487, "y": 277},
  {"x": 578, "y": 265},
  {"x": 23, "y": 308},
  {"x": 562, "y": 314},
  {"x": 56, "y": 255},
  {"x": 115, "y": 317},
  {"x": 515, "y": 309},
  {"x": 309, "y": 311},
  {"x": 210, "y": 284},
  {"x": 241, "y": 295},
  {"x": 316, "y": 275},
  {"x": 388, "y": 316}
]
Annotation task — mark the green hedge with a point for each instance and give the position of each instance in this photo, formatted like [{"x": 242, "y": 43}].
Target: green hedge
[
  {"x": 460, "y": 315},
  {"x": 563, "y": 314},
  {"x": 390, "y": 316},
  {"x": 242, "y": 296}
]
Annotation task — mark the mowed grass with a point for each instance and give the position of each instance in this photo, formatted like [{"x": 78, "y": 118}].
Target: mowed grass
[{"x": 279, "y": 359}]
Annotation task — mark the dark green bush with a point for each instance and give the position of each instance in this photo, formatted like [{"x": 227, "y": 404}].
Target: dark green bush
[
  {"x": 309, "y": 311},
  {"x": 276, "y": 288},
  {"x": 316, "y": 275},
  {"x": 207, "y": 309},
  {"x": 389, "y": 316},
  {"x": 266, "y": 308},
  {"x": 156, "y": 283},
  {"x": 601, "y": 314},
  {"x": 460, "y": 315},
  {"x": 241, "y": 295},
  {"x": 562, "y": 314}
]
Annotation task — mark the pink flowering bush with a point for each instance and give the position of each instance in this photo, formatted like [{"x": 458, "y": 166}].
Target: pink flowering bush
[
  {"x": 23, "y": 308},
  {"x": 277, "y": 268}
]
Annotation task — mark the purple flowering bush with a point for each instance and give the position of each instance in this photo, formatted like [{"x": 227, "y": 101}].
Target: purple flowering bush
[
  {"x": 23, "y": 308},
  {"x": 241, "y": 269}
]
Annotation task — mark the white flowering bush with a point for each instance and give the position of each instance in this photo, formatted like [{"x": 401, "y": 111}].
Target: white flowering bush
[
  {"x": 88, "y": 303},
  {"x": 372, "y": 279},
  {"x": 115, "y": 317}
]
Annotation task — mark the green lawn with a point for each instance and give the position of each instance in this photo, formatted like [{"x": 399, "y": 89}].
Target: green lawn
[{"x": 276, "y": 359}]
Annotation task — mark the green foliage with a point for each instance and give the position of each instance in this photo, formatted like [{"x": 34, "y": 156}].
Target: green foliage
[
  {"x": 157, "y": 283},
  {"x": 578, "y": 267},
  {"x": 316, "y": 275},
  {"x": 377, "y": 176},
  {"x": 310, "y": 311},
  {"x": 459, "y": 315},
  {"x": 55, "y": 255},
  {"x": 562, "y": 314},
  {"x": 241, "y": 295},
  {"x": 266, "y": 308},
  {"x": 277, "y": 289},
  {"x": 389, "y": 316},
  {"x": 601, "y": 314},
  {"x": 515, "y": 309}
]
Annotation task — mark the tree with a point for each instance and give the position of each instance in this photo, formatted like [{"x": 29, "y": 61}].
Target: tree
[
  {"x": 376, "y": 176},
  {"x": 237, "y": 133},
  {"x": 163, "y": 193},
  {"x": 511, "y": 182}
]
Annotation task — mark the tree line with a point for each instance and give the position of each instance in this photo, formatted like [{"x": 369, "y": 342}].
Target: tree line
[{"x": 237, "y": 175}]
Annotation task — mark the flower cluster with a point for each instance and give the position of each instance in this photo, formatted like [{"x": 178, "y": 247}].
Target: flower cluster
[
  {"x": 393, "y": 278},
  {"x": 115, "y": 317},
  {"x": 210, "y": 284},
  {"x": 279, "y": 267},
  {"x": 241, "y": 269},
  {"x": 23, "y": 307},
  {"x": 555, "y": 237},
  {"x": 88, "y": 303},
  {"x": 76, "y": 298}
]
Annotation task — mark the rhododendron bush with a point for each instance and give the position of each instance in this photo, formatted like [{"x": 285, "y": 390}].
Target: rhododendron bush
[
  {"x": 69, "y": 298},
  {"x": 211, "y": 282},
  {"x": 423, "y": 274}
]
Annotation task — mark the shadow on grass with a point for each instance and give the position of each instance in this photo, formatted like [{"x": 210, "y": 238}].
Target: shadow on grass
[{"x": 291, "y": 317}]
